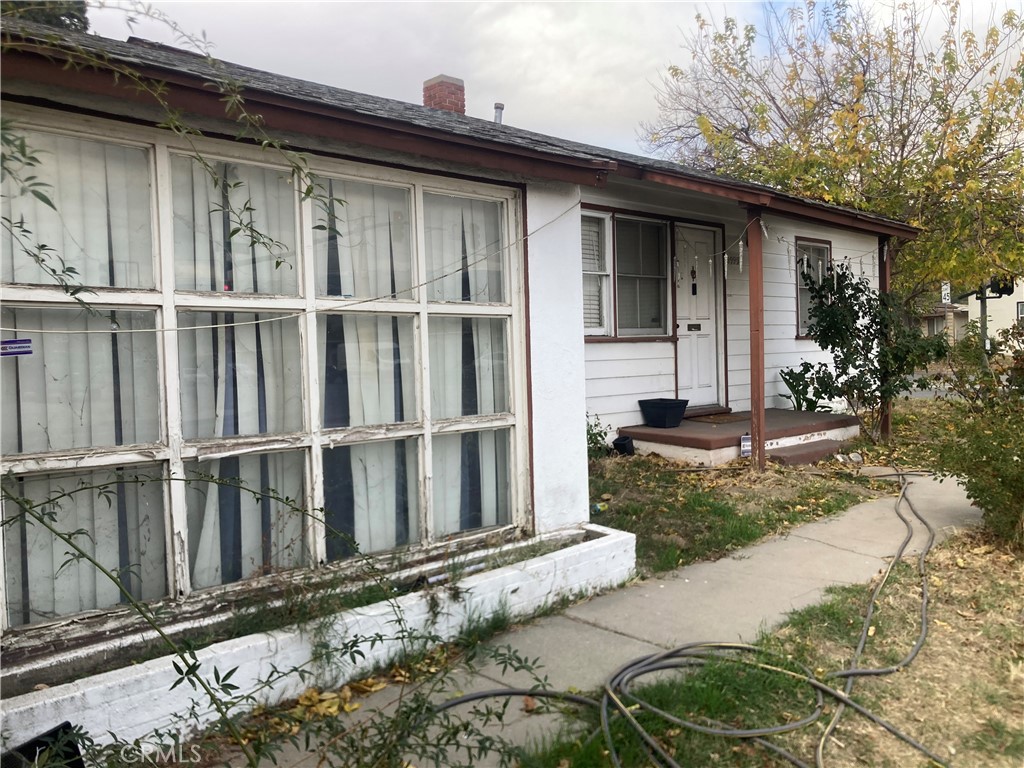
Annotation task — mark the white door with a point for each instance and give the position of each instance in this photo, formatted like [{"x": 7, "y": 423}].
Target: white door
[{"x": 697, "y": 292}]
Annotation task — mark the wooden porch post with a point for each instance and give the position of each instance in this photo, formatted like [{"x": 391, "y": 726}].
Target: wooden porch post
[
  {"x": 884, "y": 276},
  {"x": 754, "y": 247}
]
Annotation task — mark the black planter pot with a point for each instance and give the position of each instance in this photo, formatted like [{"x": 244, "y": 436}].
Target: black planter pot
[{"x": 663, "y": 412}]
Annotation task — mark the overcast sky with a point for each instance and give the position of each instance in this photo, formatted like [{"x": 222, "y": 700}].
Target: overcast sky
[{"x": 579, "y": 70}]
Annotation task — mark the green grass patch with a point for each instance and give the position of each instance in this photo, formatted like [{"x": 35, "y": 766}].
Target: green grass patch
[
  {"x": 722, "y": 693},
  {"x": 681, "y": 516}
]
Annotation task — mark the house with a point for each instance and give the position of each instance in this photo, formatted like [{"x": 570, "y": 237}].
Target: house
[
  {"x": 1001, "y": 311},
  {"x": 321, "y": 300},
  {"x": 934, "y": 321}
]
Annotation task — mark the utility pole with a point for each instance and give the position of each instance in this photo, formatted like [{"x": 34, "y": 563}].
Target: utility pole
[{"x": 983, "y": 301}]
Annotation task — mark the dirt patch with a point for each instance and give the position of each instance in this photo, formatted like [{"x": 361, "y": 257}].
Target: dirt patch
[{"x": 963, "y": 696}]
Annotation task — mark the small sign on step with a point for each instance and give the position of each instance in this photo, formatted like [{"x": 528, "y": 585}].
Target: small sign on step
[{"x": 745, "y": 446}]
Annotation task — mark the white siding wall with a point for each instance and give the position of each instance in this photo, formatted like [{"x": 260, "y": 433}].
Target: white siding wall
[
  {"x": 1002, "y": 312},
  {"x": 621, "y": 374},
  {"x": 556, "y": 366},
  {"x": 781, "y": 347},
  {"x": 618, "y": 374}
]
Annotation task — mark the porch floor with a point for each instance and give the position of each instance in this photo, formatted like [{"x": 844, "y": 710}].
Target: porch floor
[{"x": 715, "y": 439}]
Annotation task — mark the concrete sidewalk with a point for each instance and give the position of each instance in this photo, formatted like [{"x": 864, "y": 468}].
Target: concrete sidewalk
[{"x": 728, "y": 600}]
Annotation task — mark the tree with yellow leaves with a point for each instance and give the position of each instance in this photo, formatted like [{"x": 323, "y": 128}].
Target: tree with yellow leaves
[{"x": 902, "y": 112}]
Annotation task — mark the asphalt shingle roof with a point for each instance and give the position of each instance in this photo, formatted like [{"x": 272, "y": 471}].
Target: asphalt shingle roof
[{"x": 147, "y": 55}]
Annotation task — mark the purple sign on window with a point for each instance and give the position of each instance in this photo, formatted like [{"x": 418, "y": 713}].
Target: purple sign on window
[{"x": 11, "y": 347}]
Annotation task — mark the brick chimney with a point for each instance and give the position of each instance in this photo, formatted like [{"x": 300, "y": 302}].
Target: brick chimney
[{"x": 444, "y": 92}]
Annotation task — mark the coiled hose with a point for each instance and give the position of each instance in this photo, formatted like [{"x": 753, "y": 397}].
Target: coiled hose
[{"x": 619, "y": 702}]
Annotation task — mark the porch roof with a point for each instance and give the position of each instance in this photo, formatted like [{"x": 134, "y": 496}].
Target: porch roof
[{"x": 66, "y": 59}]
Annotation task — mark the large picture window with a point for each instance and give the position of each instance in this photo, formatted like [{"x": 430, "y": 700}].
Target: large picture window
[
  {"x": 640, "y": 276},
  {"x": 813, "y": 261},
  {"x": 274, "y": 383}
]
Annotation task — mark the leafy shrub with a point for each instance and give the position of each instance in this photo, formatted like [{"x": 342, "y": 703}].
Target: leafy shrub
[
  {"x": 875, "y": 350},
  {"x": 986, "y": 451},
  {"x": 597, "y": 438}
]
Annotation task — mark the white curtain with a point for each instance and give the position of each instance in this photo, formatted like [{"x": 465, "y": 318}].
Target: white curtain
[
  {"x": 121, "y": 525},
  {"x": 237, "y": 528},
  {"x": 239, "y": 378},
  {"x": 234, "y": 228},
  {"x": 363, "y": 243},
  {"x": 239, "y": 374},
  {"x": 465, "y": 249},
  {"x": 471, "y": 480},
  {"x": 468, "y": 361},
  {"x": 100, "y": 223},
  {"x": 367, "y": 371},
  {"x": 371, "y": 496},
  {"x": 72, "y": 390}
]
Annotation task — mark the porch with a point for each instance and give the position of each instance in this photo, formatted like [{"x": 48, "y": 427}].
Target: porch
[{"x": 791, "y": 437}]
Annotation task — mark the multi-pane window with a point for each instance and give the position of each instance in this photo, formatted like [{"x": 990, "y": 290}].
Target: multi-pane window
[
  {"x": 262, "y": 411},
  {"x": 813, "y": 262},
  {"x": 640, "y": 276}
]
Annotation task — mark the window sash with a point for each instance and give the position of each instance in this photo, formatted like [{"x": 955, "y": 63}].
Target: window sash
[
  {"x": 224, "y": 214},
  {"x": 83, "y": 381},
  {"x": 116, "y": 517},
  {"x": 101, "y": 220},
  {"x": 814, "y": 260}
]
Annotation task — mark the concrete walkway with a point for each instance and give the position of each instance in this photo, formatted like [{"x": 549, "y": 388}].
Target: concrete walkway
[{"x": 731, "y": 599}]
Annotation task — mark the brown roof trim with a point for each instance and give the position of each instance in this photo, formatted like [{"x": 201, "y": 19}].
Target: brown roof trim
[{"x": 783, "y": 205}]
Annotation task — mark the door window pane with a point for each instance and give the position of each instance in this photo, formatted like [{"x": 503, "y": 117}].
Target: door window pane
[
  {"x": 468, "y": 366},
  {"x": 239, "y": 525},
  {"x": 116, "y": 517},
  {"x": 65, "y": 390},
  {"x": 368, "y": 373},
  {"x": 471, "y": 480},
  {"x": 465, "y": 249},
  {"x": 234, "y": 228},
  {"x": 239, "y": 374},
  {"x": 371, "y": 496},
  {"x": 100, "y": 223},
  {"x": 363, "y": 240}
]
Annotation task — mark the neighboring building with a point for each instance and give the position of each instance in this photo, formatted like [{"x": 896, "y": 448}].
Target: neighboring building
[
  {"x": 934, "y": 323},
  {"x": 417, "y": 360},
  {"x": 1002, "y": 311}
]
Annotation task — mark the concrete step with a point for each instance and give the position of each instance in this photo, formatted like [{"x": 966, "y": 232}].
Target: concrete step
[{"x": 804, "y": 453}]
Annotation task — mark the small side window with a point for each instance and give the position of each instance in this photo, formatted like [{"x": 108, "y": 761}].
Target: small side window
[{"x": 813, "y": 260}]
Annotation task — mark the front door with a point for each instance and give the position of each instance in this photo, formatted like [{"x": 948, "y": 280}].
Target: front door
[{"x": 697, "y": 359}]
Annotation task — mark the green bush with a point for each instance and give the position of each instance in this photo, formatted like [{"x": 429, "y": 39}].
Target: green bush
[
  {"x": 986, "y": 450},
  {"x": 875, "y": 350},
  {"x": 597, "y": 438}
]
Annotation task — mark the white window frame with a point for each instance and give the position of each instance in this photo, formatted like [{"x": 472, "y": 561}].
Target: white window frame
[
  {"x": 604, "y": 276},
  {"x": 612, "y": 327},
  {"x": 803, "y": 256},
  {"x": 172, "y": 451}
]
